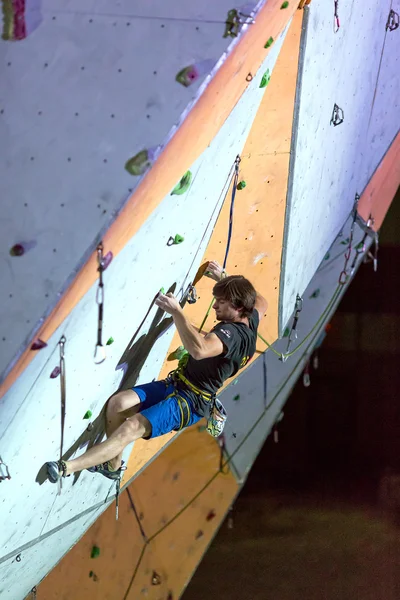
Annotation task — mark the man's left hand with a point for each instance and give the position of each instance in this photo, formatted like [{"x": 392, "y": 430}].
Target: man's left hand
[{"x": 169, "y": 303}]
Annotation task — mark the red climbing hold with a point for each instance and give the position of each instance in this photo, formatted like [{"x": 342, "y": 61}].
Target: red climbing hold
[
  {"x": 211, "y": 515},
  {"x": 38, "y": 344},
  {"x": 55, "y": 373},
  {"x": 17, "y": 250},
  {"x": 106, "y": 260}
]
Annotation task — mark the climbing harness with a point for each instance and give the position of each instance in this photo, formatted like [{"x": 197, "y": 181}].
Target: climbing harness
[
  {"x": 234, "y": 21},
  {"x": 336, "y": 22},
  {"x": 103, "y": 262},
  {"x": 343, "y": 278},
  {"x": 393, "y": 21},
  {"x": 4, "y": 471},
  {"x": 337, "y": 115},
  {"x": 63, "y": 390},
  {"x": 298, "y": 307}
]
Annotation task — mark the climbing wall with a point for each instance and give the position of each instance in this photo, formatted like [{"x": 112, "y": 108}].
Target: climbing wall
[
  {"x": 79, "y": 96},
  {"x": 355, "y": 70},
  {"x": 140, "y": 335}
]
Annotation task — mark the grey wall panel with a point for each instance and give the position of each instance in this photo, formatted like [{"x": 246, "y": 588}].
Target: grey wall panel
[
  {"x": 265, "y": 386},
  {"x": 326, "y": 165},
  {"x": 87, "y": 90}
]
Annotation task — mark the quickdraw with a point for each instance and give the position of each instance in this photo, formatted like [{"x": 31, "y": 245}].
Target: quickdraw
[
  {"x": 63, "y": 390},
  {"x": 343, "y": 278},
  {"x": 393, "y": 21},
  {"x": 4, "y": 471},
  {"x": 191, "y": 294},
  {"x": 361, "y": 247},
  {"x": 293, "y": 332},
  {"x": 337, "y": 116},
  {"x": 103, "y": 262},
  {"x": 336, "y": 22}
]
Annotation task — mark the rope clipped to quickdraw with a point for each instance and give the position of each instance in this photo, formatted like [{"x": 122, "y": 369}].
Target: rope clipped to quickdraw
[
  {"x": 230, "y": 228},
  {"x": 103, "y": 262},
  {"x": 222, "y": 446},
  {"x": 362, "y": 246},
  {"x": 298, "y": 307},
  {"x": 336, "y": 22},
  {"x": 144, "y": 536},
  {"x": 63, "y": 391},
  {"x": 343, "y": 278}
]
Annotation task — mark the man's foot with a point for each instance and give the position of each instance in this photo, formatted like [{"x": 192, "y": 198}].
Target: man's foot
[
  {"x": 56, "y": 470},
  {"x": 106, "y": 470}
]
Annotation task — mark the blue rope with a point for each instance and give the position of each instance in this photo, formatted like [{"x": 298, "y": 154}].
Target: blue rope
[{"x": 235, "y": 182}]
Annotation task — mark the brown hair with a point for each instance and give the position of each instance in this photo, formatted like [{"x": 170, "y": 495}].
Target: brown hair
[{"x": 237, "y": 290}]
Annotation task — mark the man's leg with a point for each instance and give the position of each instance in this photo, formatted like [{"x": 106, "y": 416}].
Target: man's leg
[
  {"x": 132, "y": 429},
  {"x": 120, "y": 407}
]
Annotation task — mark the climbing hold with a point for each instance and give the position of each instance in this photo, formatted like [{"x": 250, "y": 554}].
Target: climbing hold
[
  {"x": 327, "y": 256},
  {"x": 55, "y": 372},
  {"x": 4, "y": 472},
  {"x": 110, "y": 341},
  {"x": 89, "y": 427},
  {"x": 232, "y": 24},
  {"x": 155, "y": 579},
  {"x": 236, "y": 398},
  {"x": 235, "y": 382},
  {"x": 199, "y": 534},
  {"x": 192, "y": 73},
  {"x": 87, "y": 414},
  {"x": 170, "y": 596},
  {"x": 286, "y": 332},
  {"x": 211, "y": 515},
  {"x": 138, "y": 164},
  {"x": 269, "y": 42},
  {"x": 19, "y": 21},
  {"x": 265, "y": 79},
  {"x": 93, "y": 575},
  {"x": 106, "y": 260},
  {"x": 178, "y": 239},
  {"x": 183, "y": 185},
  {"x": 17, "y": 250},
  {"x": 337, "y": 115},
  {"x": 179, "y": 353},
  {"x": 285, "y": 5},
  {"x": 241, "y": 185},
  {"x": 38, "y": 344},
  {"x": 95, "y": 552},
  {"x": 345, "y": 242},
  {"x": 315, "y": 294},
  {"x": 393, "y": 21}
]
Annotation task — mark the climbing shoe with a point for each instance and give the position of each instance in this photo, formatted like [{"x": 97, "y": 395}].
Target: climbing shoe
[
  {"x": 106, "y": 470},
  {"x": 56, "y": 470}
]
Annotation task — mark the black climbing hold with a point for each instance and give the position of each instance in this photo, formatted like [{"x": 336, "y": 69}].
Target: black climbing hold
[{"x": 211, "y": 515}]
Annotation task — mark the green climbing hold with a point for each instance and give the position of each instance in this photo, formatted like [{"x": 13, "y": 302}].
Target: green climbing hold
[
  {"x": 265, "y": 79},
  {"x": 138, "y": 164},
  {"x": 360, "y": 246},
  {"x": 179, "y": 353},
  {"x": 285, "y": 5},
  {"x": 183, "y": 185},
  {"x": 241, "y": 185},
  {"x": 95, "y": 552},
  {"x": 178, "y": 239},
  {"x": 327, "y": 256},
  {"x": 110, "y": 341},
  {"x": 91, "y": 574},
  {"x": 87, "y": 414},
  {"x": 286, "y": 332},
  {"x": 236, "y": 398},
  {"x": 345, "y": 242},
  {"x": 269, "y": 43},
  {"x": 315, "y": 294}
]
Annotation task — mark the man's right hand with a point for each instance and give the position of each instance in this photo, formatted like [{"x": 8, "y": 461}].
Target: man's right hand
[{"x": 214, "y": 271}]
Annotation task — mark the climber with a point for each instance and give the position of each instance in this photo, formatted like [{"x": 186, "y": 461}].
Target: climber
[{"x": 188, "y": 393}]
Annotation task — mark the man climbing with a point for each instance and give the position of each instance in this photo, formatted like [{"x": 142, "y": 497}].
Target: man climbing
[{"x": 189, "y": 393}]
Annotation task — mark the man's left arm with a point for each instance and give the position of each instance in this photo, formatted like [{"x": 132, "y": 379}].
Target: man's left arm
[{"x": 199, "y": 347}]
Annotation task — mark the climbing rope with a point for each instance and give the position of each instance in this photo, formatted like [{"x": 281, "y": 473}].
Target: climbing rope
[{"x": 63, "y": 390}]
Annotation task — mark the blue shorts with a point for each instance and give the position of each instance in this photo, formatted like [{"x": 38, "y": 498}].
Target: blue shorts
[{"x": 160, "y": 406}]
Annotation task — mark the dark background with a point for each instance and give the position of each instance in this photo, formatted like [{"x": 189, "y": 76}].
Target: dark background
[{"x": 319, "y": 516}]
